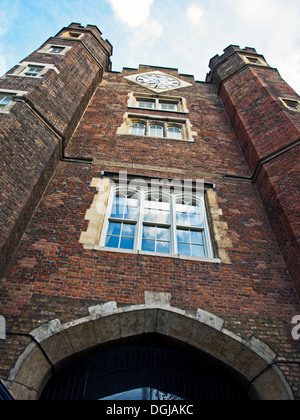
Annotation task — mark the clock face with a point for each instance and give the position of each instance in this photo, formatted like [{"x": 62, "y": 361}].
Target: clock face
[{"x": 158, "y": 81}]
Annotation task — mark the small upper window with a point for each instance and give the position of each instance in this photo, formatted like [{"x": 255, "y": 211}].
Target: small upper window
[
  {"x": 291, "y": 104},
  {"x": 71, "y": 34},
  {"x": 163, "y": 103},
  {"x": 37, "y": 70},
  {"x": 138, "y": 129},
  {"x": 32, "y": 71},
  {"x": 5, "y": 99},
  {"x": 259, "y": 61},
  {"x": 175, "y": 133},
  {"x": 56, "y": 50},
  {"x": 145, "y": 103},
  {"x": 156, "y": 131},
  {"x": 168, "y": 106}
]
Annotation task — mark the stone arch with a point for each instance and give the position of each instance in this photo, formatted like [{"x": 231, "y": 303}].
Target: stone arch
[{"x": 252, "y": 359}]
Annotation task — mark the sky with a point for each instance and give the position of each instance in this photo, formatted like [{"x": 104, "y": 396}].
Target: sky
[{"x": 183, "y": 34}]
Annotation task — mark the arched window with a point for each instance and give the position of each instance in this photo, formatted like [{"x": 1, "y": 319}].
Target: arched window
[
  {"x": 138, "y": 129},
  {"x": 175, "y": 133},
  {"x": 156, "y": 131}
]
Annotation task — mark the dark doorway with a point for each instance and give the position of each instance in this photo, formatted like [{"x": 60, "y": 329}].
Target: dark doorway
[{"x": 148, "y": 367}]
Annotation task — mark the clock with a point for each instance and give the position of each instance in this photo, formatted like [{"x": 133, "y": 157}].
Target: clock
[{"x": 158, "y": 81}]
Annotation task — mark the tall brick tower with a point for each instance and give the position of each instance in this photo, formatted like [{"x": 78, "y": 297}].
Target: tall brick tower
[
  {"x": 264, "y": 113},
  {"x": 149, "y": 228}
]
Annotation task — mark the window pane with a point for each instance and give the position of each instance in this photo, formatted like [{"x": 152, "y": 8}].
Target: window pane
[
  {"x": 148, "y": 246},
  {"x": 182, "y": 219},
  {"x": 169, "y": 106},
  {"x": 5, "y": 99},
  {"x": 33, "y": 71},
  {"x": 188, "y": 215},
  {"x": 183, "y": 236},
  {"x": 198, "y": 251},
  {"x": 163, "y": 234},
  {"x": 112, "y": 242},
  {"x": 197, "y": 238},
  {"x": 127, "y": 243},
  {"x": 128, "y": 230},
  {"x": 114, "y": 229},
  {"x": 138, "y": 129},
  {"x": 125, "y": 208},
  {"x": 184, "y": 249},
  {"x": 156, "y": 131},
  {"x": 149, "y": 232},
  {"x": 163, "y": 247},
  {"x": 157, "y": 211},
  {"x": 156, "y": 239},
  {"x": 56, "y": 50},
  {"x": 175, "y": 133},
  {"x": 146, "y": 104},
  {"x": 120, "y": 235}
]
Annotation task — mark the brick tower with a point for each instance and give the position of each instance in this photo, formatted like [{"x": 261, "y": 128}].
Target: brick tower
[{"x": 149, "y": 228}]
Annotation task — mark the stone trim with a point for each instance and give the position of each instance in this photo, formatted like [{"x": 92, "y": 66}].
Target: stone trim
[
  {"x": 23, "y": 67},
  {"x": 148, "y": 119},
  {"x": 219, "y": 228},
  {"x": 96, "y": 214},
  {"x": 252, "y": 359},
  {"x": 47, "y": 47}
]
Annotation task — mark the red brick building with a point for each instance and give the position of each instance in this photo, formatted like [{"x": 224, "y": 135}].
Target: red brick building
[{"x": 149, "y": 219}]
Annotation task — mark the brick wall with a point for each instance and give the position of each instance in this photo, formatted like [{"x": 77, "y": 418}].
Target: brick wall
[
  {"x": 30, "y": 149},
  {"x": 53, "y": 276},
  {"x": 263, "y": 125}
]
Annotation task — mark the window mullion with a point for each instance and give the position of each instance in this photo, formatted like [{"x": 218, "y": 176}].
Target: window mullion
[
  {"x": 139, "y": 229},
  {"x": 174, "y": 247}
]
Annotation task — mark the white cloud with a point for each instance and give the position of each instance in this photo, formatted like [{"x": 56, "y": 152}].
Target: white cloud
[
  {"x": 195, "y": 14},
  {"x": 150, "y": 32},
  {"x": 272, "y": 27},
  {"x": 133, "y": 13}
]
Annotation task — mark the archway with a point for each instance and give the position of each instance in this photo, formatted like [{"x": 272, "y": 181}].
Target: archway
[
  {"x": 147, "y": 367},
  {"x": 251, "y": 362}
]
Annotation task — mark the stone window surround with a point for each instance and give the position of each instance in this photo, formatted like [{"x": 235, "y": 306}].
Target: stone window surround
[
  {"x": 72, "y": 35},
  {"x": 134, "y": 98},
  {"x": 96, "y": 217},
  {"x": 254, "y": 60},
  {"x": 148, "y": 119},
  {"x": 47, "y": 47},
  {"x": 24, "y": 66},
  {"x": 8, "y": 107},
  {"x": 286, "y": 101}
]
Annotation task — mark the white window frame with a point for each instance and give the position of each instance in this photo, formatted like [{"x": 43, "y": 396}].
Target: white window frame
[
  {"x": 23, "y": 68},
  {"x": 172, "y": 198},
  {"x": 47, "y": 49},
  {"x": 11, "y": 93}
]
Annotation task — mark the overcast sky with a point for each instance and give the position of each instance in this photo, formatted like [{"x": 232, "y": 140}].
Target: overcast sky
[{"x": 183, "y": 34}]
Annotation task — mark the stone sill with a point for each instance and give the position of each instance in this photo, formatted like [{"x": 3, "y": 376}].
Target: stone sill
[{"x": 152, "y": 254}]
